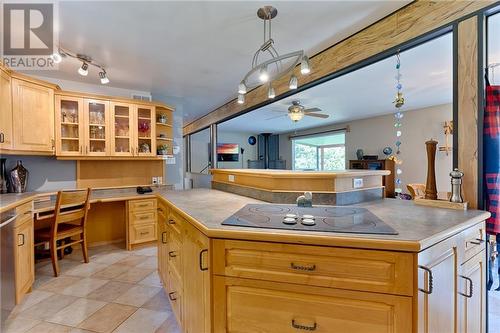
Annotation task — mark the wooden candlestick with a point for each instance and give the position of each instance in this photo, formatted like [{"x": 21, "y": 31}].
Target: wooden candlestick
[{"x": 430, "y": 186}]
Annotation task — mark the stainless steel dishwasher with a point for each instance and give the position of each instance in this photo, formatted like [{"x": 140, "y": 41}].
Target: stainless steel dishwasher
[{"x": 7, "y": 282}]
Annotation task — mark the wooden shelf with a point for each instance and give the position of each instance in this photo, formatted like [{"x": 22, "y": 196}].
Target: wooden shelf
[
  {"x": 121, "y": 137},
  {"x": 162, "y": 124},
  {"x": 144, "y": 138},
  {"x": 164, "y": 139},
  {"x": 120, "y": 116},
  {"x": 70, "y": 124},
  {"x": 73, "y": 139},
  {"x": 97, "y": 139},
  {"x": 100, "y": 125},
  {"x": 144, "y": 118}
]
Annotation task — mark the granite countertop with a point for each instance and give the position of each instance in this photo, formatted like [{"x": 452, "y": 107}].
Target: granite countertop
[{"x": 418, "y": 227}]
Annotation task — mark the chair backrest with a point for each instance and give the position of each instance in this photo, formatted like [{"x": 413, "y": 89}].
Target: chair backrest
[
  {"x": 416, "y": 190},
  {"x": 71, "y": 206}
]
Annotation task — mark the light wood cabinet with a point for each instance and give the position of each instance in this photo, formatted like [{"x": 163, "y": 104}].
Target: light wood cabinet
[
  {"x": 471, "y": 295},
  {"x": 145, "y": 131},
  {"x": 246, "y": 305},
  {"x": 33, "y": 117},
  {"x": 97, "y": 134},
  {"x": 5, "y": 111},
  {"x": 122, "y": 129},
  {"x": 24, "y": 255},
  {"x": 70, "y": 126},
  {"x": 142, "y": 222},
  {"x": 163, "y": 213}
]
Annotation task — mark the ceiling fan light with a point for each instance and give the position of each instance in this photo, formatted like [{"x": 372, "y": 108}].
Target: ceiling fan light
[
  {"x": 295, "y": 116},
  {"x": 241, "y": 98},
  {"x": 293, "y": 83},
  {"x": 104, "y": 78},
  {"x": 56, "y": 57},
  {"x": 305, "y": 67},
  {"x": 84, "y": 70},
  {"x": 242, "y": 88},
  {"x": 270, "y": 92},
  {"x": 263, "y": 75}
]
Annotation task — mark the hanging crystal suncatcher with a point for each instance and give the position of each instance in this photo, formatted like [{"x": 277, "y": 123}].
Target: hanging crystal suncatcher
[{"x": 398, "y": 116}]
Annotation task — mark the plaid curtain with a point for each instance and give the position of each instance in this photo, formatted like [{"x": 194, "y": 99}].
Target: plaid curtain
[{"x": 491, "y": 144}]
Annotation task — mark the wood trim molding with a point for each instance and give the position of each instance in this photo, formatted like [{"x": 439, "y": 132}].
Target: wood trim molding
[
  {"x": 467, "y": 77},
  {"x": 409, "y": 22}
]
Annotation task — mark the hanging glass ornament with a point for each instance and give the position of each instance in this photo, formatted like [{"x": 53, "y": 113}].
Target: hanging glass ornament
[{"x": 398, "y": 102}]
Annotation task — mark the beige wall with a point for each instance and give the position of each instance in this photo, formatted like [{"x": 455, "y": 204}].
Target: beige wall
[{"x": 373, "y": 134}]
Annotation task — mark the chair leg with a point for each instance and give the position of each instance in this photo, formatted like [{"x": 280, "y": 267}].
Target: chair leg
[
  {"x": 53, "y": 257},
  {"x": 84, "y": 248}
]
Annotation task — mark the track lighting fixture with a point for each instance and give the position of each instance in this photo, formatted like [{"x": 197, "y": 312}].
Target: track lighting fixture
[
  {"x": 56, "y": 57},
  {"x": 263, "y": 75},
  {"x": 103, "y": 77},
  {"x": 84, "y": 70},
  {"x": 304, "y": 65},
  {"x": 241, "y": 98},
  {"x": 293, "y": 83}
]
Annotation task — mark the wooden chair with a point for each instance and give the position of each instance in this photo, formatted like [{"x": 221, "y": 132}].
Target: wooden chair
[
  {"x": 416, "y": 190},
  {"x": 68, "y": 221}
]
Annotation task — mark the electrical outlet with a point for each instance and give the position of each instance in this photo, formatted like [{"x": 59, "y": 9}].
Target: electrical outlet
[
  {"x": 357, "y": 182},
  {"x": 154, "y": 180},
  {"x": 230, "y": 178}
]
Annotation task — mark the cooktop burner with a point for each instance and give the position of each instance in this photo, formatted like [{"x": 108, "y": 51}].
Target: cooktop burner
[{"x": 290, "y": 217}]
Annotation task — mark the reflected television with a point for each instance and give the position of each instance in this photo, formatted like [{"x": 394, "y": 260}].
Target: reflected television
[{"x": 228, "y": 152}]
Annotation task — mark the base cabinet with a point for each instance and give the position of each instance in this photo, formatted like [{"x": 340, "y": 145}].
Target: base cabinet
[
  {"x": 24, "y": 265},
  {"x": 142, "y": 222}
]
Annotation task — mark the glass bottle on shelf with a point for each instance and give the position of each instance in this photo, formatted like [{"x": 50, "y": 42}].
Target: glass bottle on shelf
[{"x": 69, "y": 126}]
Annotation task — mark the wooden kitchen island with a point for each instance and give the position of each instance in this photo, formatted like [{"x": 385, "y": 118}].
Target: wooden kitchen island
[{"x": 427, "y": 278}]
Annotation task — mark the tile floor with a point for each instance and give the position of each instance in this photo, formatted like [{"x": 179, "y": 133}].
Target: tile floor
[{"x": 118, "y": 291}]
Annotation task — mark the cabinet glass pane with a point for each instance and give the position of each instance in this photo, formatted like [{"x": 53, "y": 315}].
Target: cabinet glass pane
[
  {"x": 97, "y": 127},
  {"x": 122, "y": 129},
  {"x": 144, "y": 123},
  {"x": 69, "y": 126}
]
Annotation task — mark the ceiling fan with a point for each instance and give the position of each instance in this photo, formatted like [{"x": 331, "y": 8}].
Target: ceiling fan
[{"x": 297, "y": 111}]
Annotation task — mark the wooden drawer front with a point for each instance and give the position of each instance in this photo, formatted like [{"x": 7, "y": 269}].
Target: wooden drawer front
[
  {"x": 141, "y": 205},
  {"x": 175, "y": 296},
  {"x": 174, "y": 255},
  {"x": 258, "y": 306},
  {"x": 377, "y": 271},
  {"x": 142, "y": 217},
  {"x": 473, "y": 241},
  {"x": 140, "y": 233},
  {"x": 162, "y": 210},
  {"x": 175, "y": 221}
]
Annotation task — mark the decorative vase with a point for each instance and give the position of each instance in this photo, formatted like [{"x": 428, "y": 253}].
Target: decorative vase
[
  {"x": 3, "y": 176},
  {"x": 430, "y": 185},
  {"x": 18, "y": 178},
  {"x": 359, "y": 154}
]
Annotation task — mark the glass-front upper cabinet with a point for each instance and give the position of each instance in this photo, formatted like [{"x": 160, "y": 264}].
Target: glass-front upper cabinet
[
  {"x": 70, "y": 126},
  {"x": 97, "y": 129},
  {"x": 122, "y": 138},
  {"x": 145, "y": 144}
]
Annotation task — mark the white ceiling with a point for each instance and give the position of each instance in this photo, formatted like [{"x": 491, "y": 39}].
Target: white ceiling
[
  {"x": 427, "y": 77},
  {"x": 197, "y": 51}
]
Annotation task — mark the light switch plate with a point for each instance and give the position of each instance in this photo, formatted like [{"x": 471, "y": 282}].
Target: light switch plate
[
  {"x": 230, "y": 178},
  {"x": 357, "y": 182},
  {"x": 154, "y": 180}
]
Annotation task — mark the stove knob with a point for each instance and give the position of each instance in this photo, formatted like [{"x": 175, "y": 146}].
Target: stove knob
[
  {"x": 308, "y": 222},
  {"x": 289, "y": 220}
]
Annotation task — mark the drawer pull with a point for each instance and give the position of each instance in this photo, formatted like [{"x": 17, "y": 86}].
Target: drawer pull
[
  {"x": 431, "y": 281},
  {"x": 304, "y": 327},
  {"x": 172, "y": 254},
  {"x": 478, "y": 241},
  {"x": 143, "y": 205},
  {"x": 144, "y": 233},
  {"x": 143, "y": 217},
  {"x": 303, "y": 268},
  {"x": 471, "y": 287},
  {"x": 201, "y": 260},
  {"x": 171, "y": 222},
  {"x": 163, "y": 238},
  {"x": 171, "y": 296}
]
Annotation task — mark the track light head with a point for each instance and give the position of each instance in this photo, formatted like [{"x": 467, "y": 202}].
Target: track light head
[
  {"x": 104, "y": 78},
  {"x": 263, "y": 75},
  {"x": 84, "y": 70},
  {"x": 270, "y": 92},
  {"x": 242, "y": 88},
  {"x": 241, "y": 98},
  {"x": 305, "y": 67},
  {"x": 293, "y": 83},
  {"x": 56, "y": 57}
]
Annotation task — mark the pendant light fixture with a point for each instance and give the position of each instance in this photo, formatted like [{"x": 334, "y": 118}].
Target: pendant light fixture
[
  {"x": 84, "y": 70},
  {"x": 277, "y": 65}
]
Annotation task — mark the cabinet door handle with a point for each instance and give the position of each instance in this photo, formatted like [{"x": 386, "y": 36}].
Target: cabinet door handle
[
  {"x": 303, "y": 268},
  {"x": 201, "y": 260},
  {"x": 477, "y": 241},
  {"x": 172, "y": 254},
  {"x": 22, "y": 239},
  {"x": 163, "y": 240},
  {"x": 2, "y": 138},
  {"x": 304, "y": 327},
  {"x": 81, "y": 149},
  {"x": 171, "y": 296},
  {"x": 171, "y": 221},
  {"x": 471, "y": 290},
  {"x": 431, "y": 280}
]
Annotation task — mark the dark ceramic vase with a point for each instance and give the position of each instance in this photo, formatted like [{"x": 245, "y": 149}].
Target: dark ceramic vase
[
  {"x": 3, "y": 176},
  {"x": 18, "y": 178}
]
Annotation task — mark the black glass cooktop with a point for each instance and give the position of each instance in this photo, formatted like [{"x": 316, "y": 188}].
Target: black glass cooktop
[{"x": 326, "y": 218}]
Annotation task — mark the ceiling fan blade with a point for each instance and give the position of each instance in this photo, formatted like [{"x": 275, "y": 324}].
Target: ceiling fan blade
[
  {"x": 312, "y": 110},
  {"x": 317, "y": 115},
  {"x": 281, "y": 115}
]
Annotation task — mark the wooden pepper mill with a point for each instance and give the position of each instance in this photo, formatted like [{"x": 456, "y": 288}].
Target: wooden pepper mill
[{"x": 430, "y": 186}]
